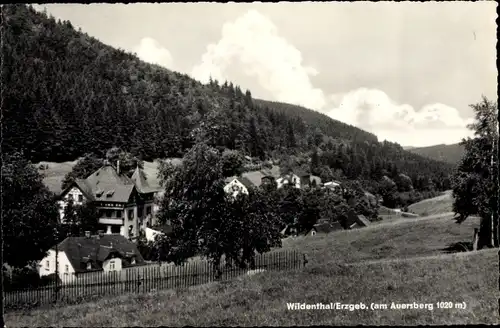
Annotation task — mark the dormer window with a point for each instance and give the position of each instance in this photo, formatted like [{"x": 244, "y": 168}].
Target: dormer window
[
  {"x": 70, "y": 196},
  {"x": 110, "y": 193},
  {"x": 99, "y": 193},
  {"x": 80, "y": 198}
]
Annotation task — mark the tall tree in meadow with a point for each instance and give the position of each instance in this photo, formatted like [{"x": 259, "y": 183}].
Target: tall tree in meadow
[
  {"x": 29, "y": 211},
  {"x": 475, "y": 188},
  {"x": 205, "y": 221}
]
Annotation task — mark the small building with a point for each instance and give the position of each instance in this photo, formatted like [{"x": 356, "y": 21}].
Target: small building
[
  {"x": 77, "y": 255},
  {"x": 356, "y": 221},
  {"x": 151, "y": 233},
  {"x": 324, "y": 227},
  {"x": 289, "y": 179},
  {"x": 289, "y": 230},
  {"x": 333, "y": 186}
]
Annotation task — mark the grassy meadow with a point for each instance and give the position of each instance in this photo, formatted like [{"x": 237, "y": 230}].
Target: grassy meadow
[
  {"x": 440, "y": 204},
  {"x": 401, "y": 261}
]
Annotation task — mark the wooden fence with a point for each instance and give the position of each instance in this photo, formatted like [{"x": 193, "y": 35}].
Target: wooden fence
[{"x": 143, "y": 279}]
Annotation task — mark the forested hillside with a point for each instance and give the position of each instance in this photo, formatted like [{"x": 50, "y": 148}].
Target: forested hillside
[
  {"x": 446, "y": 153},
  {"x": 66, "y": 94}
]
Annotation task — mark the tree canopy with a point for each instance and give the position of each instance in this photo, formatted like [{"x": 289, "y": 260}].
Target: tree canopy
[
  {"x": 29, "y": 212},
  {"x": 475, "y": 185},
  {"x": 70, "y": 95}
]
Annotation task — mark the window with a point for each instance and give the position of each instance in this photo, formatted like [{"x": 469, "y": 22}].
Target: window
[
  {"x": 111, "y": 265},
  {"x": 139, "y": 212},
  {"x": 118, "y": 214},
  {"x": 80, "y": 198},
  {"x": 89, "y": 266},
  {"x": 148, "y": 210},
  {"x": 133, "y": 260},
  {"x": 101, "y": 213},
  {"x": 109, "y": 213},
  {"x": 130, "y": 214},
  {"x": 70, "y": 196},
  {"x": 66, "y": 268},
  {"x": 47, "y": 265}
]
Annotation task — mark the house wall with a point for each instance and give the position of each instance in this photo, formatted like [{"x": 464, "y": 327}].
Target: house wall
[
  {"x": 76, "y": 194},
  {"x": 235, "y": 183},
  {"x": 294, "y": 179},
  {"x": 151, "y": 234},
  {"x": 107, "y": 265},
  {"x": 63, "y": 264}
]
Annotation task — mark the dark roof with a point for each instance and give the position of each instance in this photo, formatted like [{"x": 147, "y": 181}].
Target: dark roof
[
  {"x": 326, "y": 227},
  {"x": 362, "y": 220},
  {"x": 244, "y": 181},
  {"x": 301, "y": 173},
  {"x": 323, "y": 227},
  {"x": 107, "y": 185},
  {"x": 255, "y": 177},
  {"x": 81, "y": 250},
  {"x": 315, "y": 178},
  {"x": 141, "y": 183}
]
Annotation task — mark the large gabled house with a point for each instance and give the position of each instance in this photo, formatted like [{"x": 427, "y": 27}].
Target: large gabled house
[
  {"x": 126, "y": 205},
  {"x": 77, "y": 255}
]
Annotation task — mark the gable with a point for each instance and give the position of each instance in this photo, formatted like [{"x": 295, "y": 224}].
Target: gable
[{"x": 73, "y": 189}]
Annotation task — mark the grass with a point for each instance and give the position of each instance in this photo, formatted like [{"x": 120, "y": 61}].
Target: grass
[
  {"x": 261, "y": 299},
  {"x": 436, "y": 205},
  {"x": 400, "y": 261}
]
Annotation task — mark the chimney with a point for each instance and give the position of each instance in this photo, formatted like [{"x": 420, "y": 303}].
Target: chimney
[
  {"x": 87, "y": 234},
  {"x": 118, "y": 167}
]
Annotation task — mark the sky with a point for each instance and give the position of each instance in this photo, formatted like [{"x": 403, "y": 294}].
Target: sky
[{"x": 405, "y": 71}]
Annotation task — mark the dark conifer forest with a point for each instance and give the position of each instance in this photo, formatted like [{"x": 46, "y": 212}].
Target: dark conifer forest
[{"x": 66, "y": 94}]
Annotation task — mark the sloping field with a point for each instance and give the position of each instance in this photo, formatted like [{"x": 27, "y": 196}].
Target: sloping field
[
  {"x": 262, "y": 299},
  {"x": 400, "y": 261},
  {"x": 440, "y": 204},
  {"x": 401, "y": 238}
]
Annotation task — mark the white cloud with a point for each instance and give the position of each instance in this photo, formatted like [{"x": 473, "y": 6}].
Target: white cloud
[
  {"x": 374, "y": 111},
  {"x": 253, "y": 43},
  {"x": 152, "y": 52},
  {"x": 253, "y": 40}
]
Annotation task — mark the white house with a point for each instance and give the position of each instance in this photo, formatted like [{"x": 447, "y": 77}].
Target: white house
[
  {"x": 77, "y": 255},
  {"x": 237, "y": 185},
  {"x": 126, "y": 205},
  {"x": 289, "y": 179}
]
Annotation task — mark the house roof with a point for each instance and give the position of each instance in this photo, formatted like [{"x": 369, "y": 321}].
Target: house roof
[
  {"x": 315, "y": 178},
  {"x": 255, "y": 177},
  {"x": 323, "y": 227},
  {"x": 301, "y": 173},
  {"x": 106, "y": 184},
  {"x": 140, "y": 180},
  {"x": 244, "y": 181},
  {"x": 81, "y": 250},
  {"x": 362, "y": 220}
]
